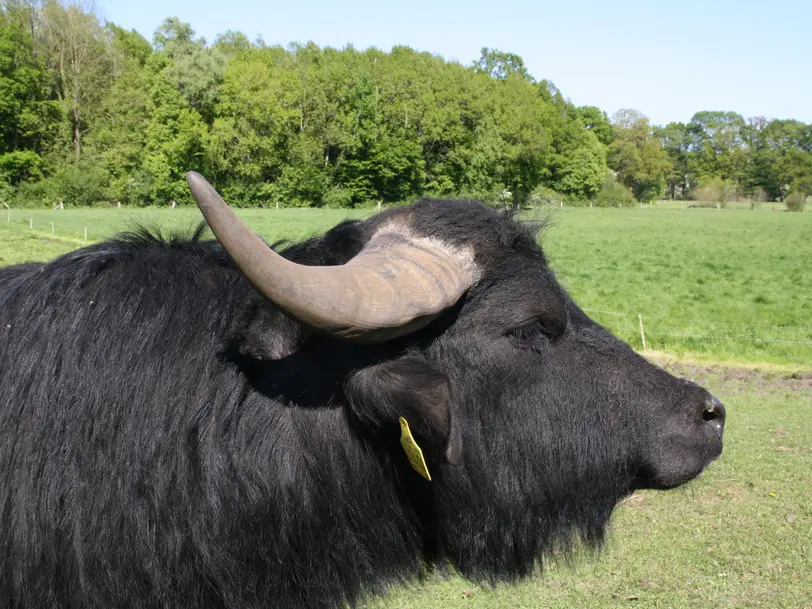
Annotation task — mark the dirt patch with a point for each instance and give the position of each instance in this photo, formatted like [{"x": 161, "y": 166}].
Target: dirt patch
[
  {"x": 765, "y": 382},
  {"x": 636, "y": 500}
]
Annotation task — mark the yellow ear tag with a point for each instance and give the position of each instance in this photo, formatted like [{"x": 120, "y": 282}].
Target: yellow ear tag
[{"x": 413, "y": 451}]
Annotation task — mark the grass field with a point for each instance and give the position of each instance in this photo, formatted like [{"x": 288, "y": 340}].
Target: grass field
[
  {"x": 727, "y": 285},
  {"x": 741, "y": 535}
]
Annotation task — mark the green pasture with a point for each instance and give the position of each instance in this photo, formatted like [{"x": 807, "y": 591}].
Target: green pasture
[{"x": 723, "y": 285}]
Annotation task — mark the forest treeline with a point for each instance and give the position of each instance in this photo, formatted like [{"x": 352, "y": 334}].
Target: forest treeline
[{"x": 92, "y": 113}]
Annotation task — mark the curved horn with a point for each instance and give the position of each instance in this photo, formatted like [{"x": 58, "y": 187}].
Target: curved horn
[{"x": 394, "y": 286}]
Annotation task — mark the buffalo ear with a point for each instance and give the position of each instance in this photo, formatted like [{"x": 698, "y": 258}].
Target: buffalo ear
[{"x": 411, "y": 388}]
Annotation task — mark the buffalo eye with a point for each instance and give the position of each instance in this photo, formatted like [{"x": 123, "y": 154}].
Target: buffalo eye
[{"x": 530, "y": 335}]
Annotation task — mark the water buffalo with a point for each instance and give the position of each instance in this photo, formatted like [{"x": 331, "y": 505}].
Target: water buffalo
[{"x": 186, "y": 423}]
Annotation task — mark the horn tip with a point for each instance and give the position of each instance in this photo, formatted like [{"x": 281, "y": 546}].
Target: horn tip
[
  {"x": 193, "y": 177},
  {"x": 203, "y": 192}
]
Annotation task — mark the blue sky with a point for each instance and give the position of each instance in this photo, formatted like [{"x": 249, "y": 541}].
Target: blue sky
[{"x": 666, "y": 59}]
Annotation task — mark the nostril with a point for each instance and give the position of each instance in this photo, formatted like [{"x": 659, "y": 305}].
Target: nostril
[
  {"x": 714, "y": 414},
  {"x": 710, "y": 414}
]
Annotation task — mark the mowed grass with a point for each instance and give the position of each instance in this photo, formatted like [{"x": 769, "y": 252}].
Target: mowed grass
[
  {"x": 739, "y": 536},
  {"x": 722, "y": 285}
]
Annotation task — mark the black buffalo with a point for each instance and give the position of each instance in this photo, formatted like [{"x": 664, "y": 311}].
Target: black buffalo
[{"x": 173, "y": 434}]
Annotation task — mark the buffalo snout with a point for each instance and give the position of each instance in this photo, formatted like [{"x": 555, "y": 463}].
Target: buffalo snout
[{"x": 713, "y": 413}]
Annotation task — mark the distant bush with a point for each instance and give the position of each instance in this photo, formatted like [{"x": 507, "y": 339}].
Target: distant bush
[
  {"x": 759, "y": 195},
  {"x": 337, "y": 197},
  {"x": 546, "y": 197},
  {"x": 614, "y": 194},
  {"x": 36, "y": 194},
  {"x": 133, "y": 189},
  {"x": 715, "y": 191},
  {"x": 795, "y": 201},
  {"x": 20, "y": 166},
  {"x": 6, "y": 192},
  {"x": 82, "y": 184},
  {"x": 497, "y": 197}
]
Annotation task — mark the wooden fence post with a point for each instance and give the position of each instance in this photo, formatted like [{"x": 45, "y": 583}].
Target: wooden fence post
[{"x": 642, "y": 332}]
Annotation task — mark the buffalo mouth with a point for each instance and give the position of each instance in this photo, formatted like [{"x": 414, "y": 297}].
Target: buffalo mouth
[{"x": 678, "y": 462}]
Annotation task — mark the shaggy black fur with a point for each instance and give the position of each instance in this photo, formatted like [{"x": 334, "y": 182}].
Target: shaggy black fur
[{"x": 169, "y": 439}]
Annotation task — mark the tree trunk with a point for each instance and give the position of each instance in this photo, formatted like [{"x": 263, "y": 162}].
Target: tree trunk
[{"x": 77, "y": 144}]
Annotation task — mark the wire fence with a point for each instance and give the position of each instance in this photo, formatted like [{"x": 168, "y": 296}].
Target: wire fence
[
  {"x": 64, "y": 230},
  {"x": 647, "y": 333}
]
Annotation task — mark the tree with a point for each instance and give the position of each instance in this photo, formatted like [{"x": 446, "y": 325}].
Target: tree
[
  {"x": 78, "y": 50},
  {"x": 578, "y": 166},
  {"x": 715, "y": 139},
  {"x": 28, "y": 119},
  {"x": 500, "y": 65},
  {"x": 195, "y": 70},
  {"x": 778, "y": 156},
  {"x": 595, "y": 120},
  {"x": 130, "y": 45},
  {"x": 627, "y": 119},
  {"x": 513, "y": 138},
  {"x": 175, "y": 38},
  {"x": 116, "y": 139},
  {"x": 797, "y": 172},
  {"x": 254, "y": 118},
  {"x": 637, "y": 157},
  {"x": 175, "y": 140},
  {"x": 674, "y": 140},
  {"x": 230, "y": 42}
]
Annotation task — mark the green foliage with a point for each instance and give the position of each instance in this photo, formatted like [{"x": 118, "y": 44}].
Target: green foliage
[
  {"x": 174, "y": 38},
  {"x": 175, "y": 137},
  {"x": 337, "y": 197},
  {"x": 27, "y": 114},
  {"x": 716, "y": 141},
  {"x": 230, "y": 42},
  {"x": 195, "y": 70},
  {"x": 795, "y": 202},
  {"x": 130, "y": 44},
  {"x": 501, "y": 65},
  {"x": 293, "y": 124},
  {"x": 547, "y": 197},
  {"x": 302, "y": 185},
  {"x": 596, "y": 121},
  {"x": 19, "y": 166},
  {"x": 6, "y": 192},
  {"x": 81, "y": 184},
  {"x": 579, "y": 164},
  {"x": 675, "y": 142},
  {"x": 613, "y": 193},
  {"x": 76, "y": 42},
  {"x": 637, "y": 157},
  {"x": 715, "y": 191},
  {"x": 36, "y": 194}
]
